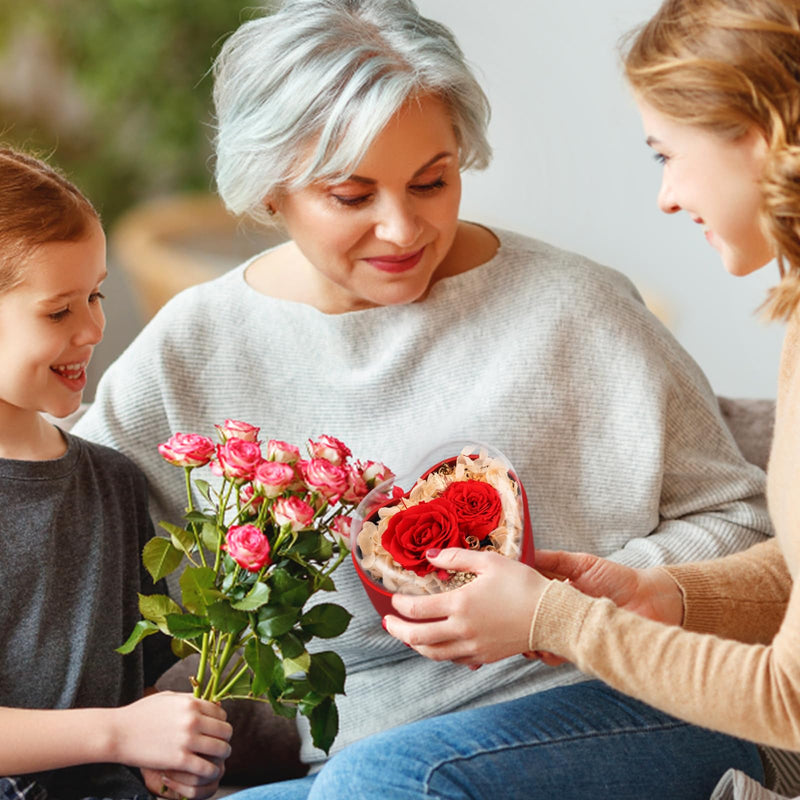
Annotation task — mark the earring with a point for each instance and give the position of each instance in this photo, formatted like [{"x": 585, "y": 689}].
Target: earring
[{"x": 270, "y": 209}]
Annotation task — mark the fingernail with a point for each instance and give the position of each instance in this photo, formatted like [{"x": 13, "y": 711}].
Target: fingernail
[
  {"x": 383, "y": 623},
  {"x": 473, "y": 667},
  {"x": 433, "y": 552}
]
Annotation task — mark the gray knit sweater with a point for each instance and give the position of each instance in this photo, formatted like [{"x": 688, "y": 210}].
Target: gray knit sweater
[{"x": 549, "y": 357}]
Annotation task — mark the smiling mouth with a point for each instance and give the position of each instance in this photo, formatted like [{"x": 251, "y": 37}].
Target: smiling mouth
[
  {"x": 396, "y": 264},
  {"x": 72, "y": 372}
]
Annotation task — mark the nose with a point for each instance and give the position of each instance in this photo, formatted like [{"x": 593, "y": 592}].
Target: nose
[
  {"x": 666, "y": 198},
  {"x": 91, "y": 327},
  {"x": 397, "y": 222}
]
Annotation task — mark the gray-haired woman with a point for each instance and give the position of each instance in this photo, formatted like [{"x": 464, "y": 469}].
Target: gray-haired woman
[{"x": 390, "y": 323}]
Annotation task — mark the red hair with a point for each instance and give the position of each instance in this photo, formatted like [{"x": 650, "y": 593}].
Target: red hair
[{"x": 37, "y": 205}]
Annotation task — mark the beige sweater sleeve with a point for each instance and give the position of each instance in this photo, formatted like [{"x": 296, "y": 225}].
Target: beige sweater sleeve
[
  {"x": 747, "y": 690},
  {"x": 742, "y": 596}
]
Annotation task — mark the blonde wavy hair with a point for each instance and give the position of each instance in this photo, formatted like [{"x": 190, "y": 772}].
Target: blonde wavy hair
[{"x": 726, "y": 66}]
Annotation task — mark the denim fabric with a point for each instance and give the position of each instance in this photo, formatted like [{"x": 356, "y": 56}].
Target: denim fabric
[{"x": 570, "y": 743}]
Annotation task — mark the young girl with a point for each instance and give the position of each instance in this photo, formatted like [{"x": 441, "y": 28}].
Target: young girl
[
  {"x": 718, "y": 86},
  {"x": 73, "y": 722}
]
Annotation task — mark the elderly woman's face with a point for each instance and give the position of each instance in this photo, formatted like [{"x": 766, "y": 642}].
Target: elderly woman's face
[{"x": 379, "y": 237}]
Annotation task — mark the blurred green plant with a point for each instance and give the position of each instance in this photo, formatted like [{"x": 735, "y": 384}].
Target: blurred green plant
[{"x": 115, "y": 92}]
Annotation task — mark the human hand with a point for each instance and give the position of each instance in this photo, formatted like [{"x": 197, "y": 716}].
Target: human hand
[
  {"x": 486, "y": 620},
  {"x": 651, "y": 592},
  {"x": 176, "y": 736},
  {"x": 177, "y": 785}
]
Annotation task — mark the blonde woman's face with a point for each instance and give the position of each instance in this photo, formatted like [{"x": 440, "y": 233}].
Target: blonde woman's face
[{"x": 716, "y": 182}]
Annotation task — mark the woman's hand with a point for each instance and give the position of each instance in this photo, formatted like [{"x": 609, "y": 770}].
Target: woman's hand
[
  {"x": 486, "y": 620},
  {"x": 651, "y": 592},
  {"x": 179, "y": 741}
]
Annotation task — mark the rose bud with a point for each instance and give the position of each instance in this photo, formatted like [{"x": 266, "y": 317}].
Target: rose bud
[
  {"x": 187, "y": 450},
  {"x": 373, "y": 472},
  {"x": 272, "y": 478},
  {"x": 410, "y": 533},
  {"x": 341, "y": 529},
  {"x": 357, "y": 487},
  {"x": 293, "y": 510},
  {"x": 281, "y": 451},
  {"x": 247, "y": 546},
  {"x": 248, "y": 495},
  {"x": 330, "y": 449},
  {"x": 238, "y": 459},
  {"x": 236, "y": 429},
  {"x": 324, "y": 477}
]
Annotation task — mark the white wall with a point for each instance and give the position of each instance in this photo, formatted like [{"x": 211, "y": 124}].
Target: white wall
[{"x": 571, "y": 167}]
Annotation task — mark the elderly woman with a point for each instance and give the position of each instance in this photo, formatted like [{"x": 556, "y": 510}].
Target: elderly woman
[{"x": 390, "y": 323}]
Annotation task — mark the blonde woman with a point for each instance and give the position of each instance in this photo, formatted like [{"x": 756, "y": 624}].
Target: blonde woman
[{"x": 716, "y": 643}]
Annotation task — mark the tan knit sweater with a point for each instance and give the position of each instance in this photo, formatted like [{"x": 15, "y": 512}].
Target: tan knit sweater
[{"x": 735, "y": 664}]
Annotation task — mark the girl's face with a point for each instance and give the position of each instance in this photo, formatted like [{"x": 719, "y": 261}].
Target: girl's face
[
  {"x": 50, "y": 324},
  {"x": 381, "y": 236},
  {"x": 716, "y": 182}
]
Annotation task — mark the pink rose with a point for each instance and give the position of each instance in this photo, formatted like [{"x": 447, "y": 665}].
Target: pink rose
[
  {"x": 271, "y": 478},
  {"x": 248, "y": 495},
  {"x": 281, "y": 451},
  {"x": 324, "y": 477},
  {"x": 236, "y": 429},
  {"x": 187, "y": 450},
  {"x": 247, "y": 546},
  {"x": 341, "y": 529},
  {"x": 357, "y": 487},
  {"x": 330, "y": 449},
  {"x": 373, "y": 472},
  {"x": 293, "y": 510},
  {"x": 238, "y": 459}
]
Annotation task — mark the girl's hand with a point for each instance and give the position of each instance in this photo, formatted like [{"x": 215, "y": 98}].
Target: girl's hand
[
  {"x": 175, "y": 785},
  {"x": 651, "y": 592},
  {"x": 176, "y": 734},
  {"x": 486, "y": 620}
]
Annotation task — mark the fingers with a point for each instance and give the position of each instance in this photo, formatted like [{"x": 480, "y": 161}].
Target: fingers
[
  {"x": 562, "y": 564},
  {"x": 462, "y": 560}
]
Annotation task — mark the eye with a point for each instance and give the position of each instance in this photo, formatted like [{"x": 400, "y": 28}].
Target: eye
[
  {"x": 95, "y": 297},
  {"x": 62, "y": 313},
  {"x": 660, "y": 158},
  {"x": 350, "y": 201},
  {"x": 427, "y": 188}
]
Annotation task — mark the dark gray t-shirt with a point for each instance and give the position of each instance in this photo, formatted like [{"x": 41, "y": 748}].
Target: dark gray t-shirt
[{"x": 71, "y": 535}]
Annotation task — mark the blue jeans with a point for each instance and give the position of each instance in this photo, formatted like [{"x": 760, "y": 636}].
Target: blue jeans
[{"x": 579, "y": 742}]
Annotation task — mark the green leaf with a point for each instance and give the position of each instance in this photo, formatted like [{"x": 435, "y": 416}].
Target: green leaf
[
  {"x": 299, "y": 664},
  {"x": 160, "y": 557},
  {"x": 199, "y": 518},
  {"x": 288, "y": 590},
  {"x": 291, "y": 645},
  {"x": 326, "y": 673},
  {"x": 181, "y": 648},
  {"x": 187, "y": 626},
  {"x": 209, "y": 536},
  {"x": 226, "y": 619},
  {"x": 324, "y": 720},
  {"x": 197, "y": 588},
  {"x": 261, "y": 659},
  {"x": 180, "y": 537},
  {"x": 274, "y": 621},
  {"x": 287, "y": 710},
  {"x": 204, "y": 488},
  {"x": 142, "y": 629},
  {"x": 155, "y": 608},
  {"x": 326, "y": 620},
  {"x": 254, "y": 599},
  {"x": 310, "y": 701}
]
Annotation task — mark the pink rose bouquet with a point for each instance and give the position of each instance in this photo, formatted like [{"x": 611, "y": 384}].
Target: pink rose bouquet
[
  {"x": 472, "y": 500},
  {"x": 272, "y": 529}
]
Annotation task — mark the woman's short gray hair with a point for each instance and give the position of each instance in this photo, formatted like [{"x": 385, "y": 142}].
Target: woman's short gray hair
[{"x": 301, "y": 94}]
